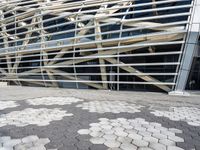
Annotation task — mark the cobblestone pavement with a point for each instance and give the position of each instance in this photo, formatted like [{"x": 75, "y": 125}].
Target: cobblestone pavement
[{"x": 57, "y": 119}]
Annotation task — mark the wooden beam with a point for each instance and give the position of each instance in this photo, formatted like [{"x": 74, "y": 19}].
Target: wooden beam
[
  {"x": 101, "y": 61},
  {"x": 133, "y": 70},
  {"x": 98, "y": 86}
]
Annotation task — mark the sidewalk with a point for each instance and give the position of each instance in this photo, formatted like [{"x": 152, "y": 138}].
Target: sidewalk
[{"x": 66, "y": 119}]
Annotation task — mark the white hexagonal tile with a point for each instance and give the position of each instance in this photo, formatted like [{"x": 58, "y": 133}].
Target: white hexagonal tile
[
  {"x": 109, "y": 136},
  {"x": 97, "y": 140},
  {"x": 53, "y": 101},
  {"x": 112, "y": 144},
  {"x": 130, "y": 139},
  {"x": 127, "y": 146},
  {"x": 167, "y": 142},
  {"x": 187, "y": 114},
  {"x": 140, "y": 143},
  {"x": 31, "y": 142},
  {"x": 84, "y": 131},
  {"x": 124, "y": 139},
  {"x": 40, "y": 117},
  {"x": 158, "y": 146},
  {"x": 7, "y": 104}
]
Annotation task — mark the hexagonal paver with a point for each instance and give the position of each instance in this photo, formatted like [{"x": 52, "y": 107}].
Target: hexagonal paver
[
  {"x": 174, "y": 148},
  {"x": 109, "y": 136},
  {"x": 84, "y": 131},
  {"x": 124, "y": 139},
  {"x": 175, "y": 139},
  {"x": 40, "y": 117},
  {"x": 140, "y": 143},
  {"x": 135, "y": 136},
  {"x": 150, "y": 139},
  {"x": 7, "y": 104},
  {"x": 31, "y": 142},
  {"x": 121, "y": 133},
  {"x": 158, "y": 146},
  {"x": 97, "y": 140},
  {"x": 167, "y": 142},
  {"x": 118, "y": 137},
  {"x": 159, "y": 136},
  {"x": 53, "y": 101},
  {"x": 127, "y": 146},
  {"x": 112, "y": 143},
  {"x": 187, "y": 114},
  {"x": 96, "y": 134}
]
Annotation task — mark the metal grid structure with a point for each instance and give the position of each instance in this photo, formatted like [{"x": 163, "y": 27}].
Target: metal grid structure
[{"x": 101, "y": 44}]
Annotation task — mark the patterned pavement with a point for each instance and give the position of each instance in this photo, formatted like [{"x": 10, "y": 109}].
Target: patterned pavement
[{"x": 70, "y": 123}]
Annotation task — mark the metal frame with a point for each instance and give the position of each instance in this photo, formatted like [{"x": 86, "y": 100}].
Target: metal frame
[
  {"x": 102, "y": 32},
  {"x": 190, "y": 48}
]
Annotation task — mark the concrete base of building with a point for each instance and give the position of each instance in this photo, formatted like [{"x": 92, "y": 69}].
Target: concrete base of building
[
  {"x": 3, "y": 84},
  {"x": 179, "y": 93}
]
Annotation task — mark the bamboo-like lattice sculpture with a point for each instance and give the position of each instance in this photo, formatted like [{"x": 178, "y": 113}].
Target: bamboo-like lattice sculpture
[{"x": 101, "y": 44}]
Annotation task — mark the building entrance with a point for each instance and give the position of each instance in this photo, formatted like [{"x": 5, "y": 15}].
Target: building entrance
[{"x": 194, "y": 78}]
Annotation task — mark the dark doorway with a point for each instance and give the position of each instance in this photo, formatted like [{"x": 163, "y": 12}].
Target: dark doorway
[{"x": 194, "y": 78}]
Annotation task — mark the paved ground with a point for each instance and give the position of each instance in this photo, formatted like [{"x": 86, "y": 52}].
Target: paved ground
[{"x": 63, "y": 119}]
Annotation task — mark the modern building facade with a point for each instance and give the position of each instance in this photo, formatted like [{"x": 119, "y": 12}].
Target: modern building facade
[{"x": 150, "y": 45}]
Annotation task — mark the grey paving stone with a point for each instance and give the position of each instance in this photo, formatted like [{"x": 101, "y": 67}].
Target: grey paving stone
[
  {"x": 41, "y": 141},
  {"x": 175, "y": 138},
  {"x": 97, "y": 147},
  {"x": 64, "y": 131},
  {"x": 112, "y": 143},
  {"x": 135, "y": 136},
  {"x": 68, "y": 147},
  {"x": 95, "y": 128},
  {"x": 11, "y": 143},
  {"x": 150, "y": 139},
  {"x": 140, "y": 143},
  {"x": 97, "y": 140},
  {"x": 167, "y": 142},
  {"x": 127, "y": 146},
  {"x": 153, "y": 130},
  {"x": 29, "y": 139},
  {"x": 110, "y": 137},
  {"x": 131, "y": 131},
  {"x": 84, "y": 131},
  {"x": 121, "y": 133},
  {"x": 145, "y": 148},
  {"x": 6, "y": 148},
  {"x": 185, "y": 146},
  {"x": 106, "y": 127},
  {"x": 96, "y": 134},
  {"x": 106, "y": 131},
  {"x": 115, "y": 124},
  {"x": 118, "y": 129},
  {"x": 145, "y": 133},
  {"x": 159, "y": 136},
  {"x": 124, "y": 139},
  {"x": 174, "y": 148},
  {"x": 4, "y": 139},
  {"x": 168, "y": 133},
  {"x": 114, "y": 149},
  {"x": 175, "y": 130},
  {"x": 140, "y": 128},
  {"x": 127, "y": 126},
  {"x": 39, "y": 147},
  {"x": 23, "y": 146},
  {"x": 158, "y": 146},
  {"x": 94, "y": 124},
  {"x": 83, "y": 145}
]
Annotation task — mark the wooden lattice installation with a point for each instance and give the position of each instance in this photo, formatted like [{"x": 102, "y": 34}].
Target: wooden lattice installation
[{"x": 102, "y": 44}]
